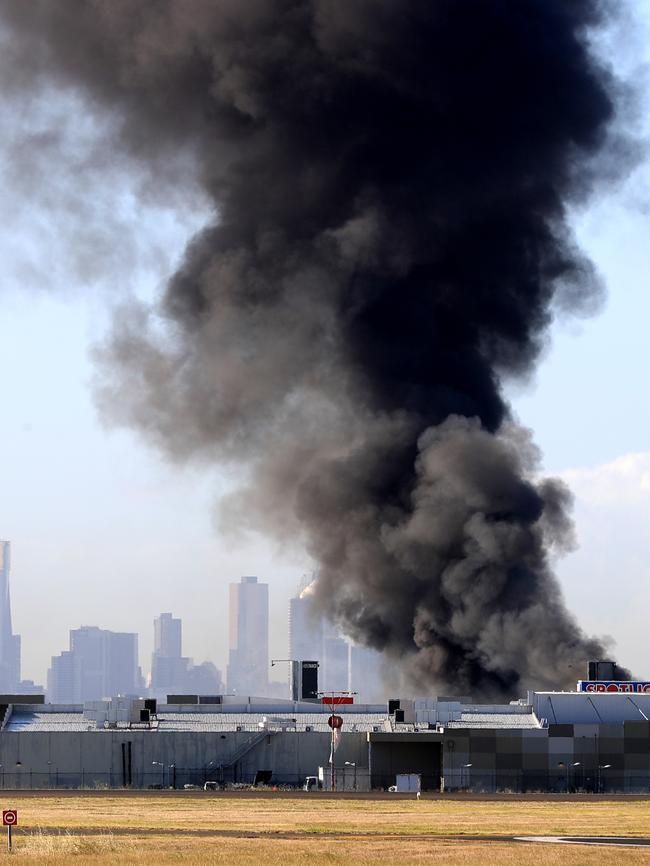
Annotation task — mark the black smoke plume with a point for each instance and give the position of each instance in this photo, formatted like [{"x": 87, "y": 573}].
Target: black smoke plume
[{"x": 391, "y": 181}]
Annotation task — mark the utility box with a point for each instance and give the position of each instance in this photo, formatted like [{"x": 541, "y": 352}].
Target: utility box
[
  {"x": 304, "y": 680},
  {"x": 406, "y": 783}
]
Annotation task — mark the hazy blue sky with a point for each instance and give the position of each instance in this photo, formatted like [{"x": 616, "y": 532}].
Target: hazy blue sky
[{"x": 104, "y": 533}]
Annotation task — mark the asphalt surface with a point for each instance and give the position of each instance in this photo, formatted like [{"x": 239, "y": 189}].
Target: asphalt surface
[
  {"x": 616, "y": 841},
  {"x": 612, "y": 841}
]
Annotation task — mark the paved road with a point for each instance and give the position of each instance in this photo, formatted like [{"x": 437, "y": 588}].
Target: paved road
[
  {"x": 205, "y": 833},
  {"x": 621, "y": 841}
]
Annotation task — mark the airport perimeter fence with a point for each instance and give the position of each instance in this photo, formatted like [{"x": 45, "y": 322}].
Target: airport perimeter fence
[{"x": 179, "y": 778}]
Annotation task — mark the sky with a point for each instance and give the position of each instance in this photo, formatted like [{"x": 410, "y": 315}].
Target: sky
[{"x": 106, "y": 533}]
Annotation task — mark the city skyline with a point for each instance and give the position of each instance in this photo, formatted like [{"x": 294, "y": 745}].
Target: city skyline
[{"x": 100, "y": 663}]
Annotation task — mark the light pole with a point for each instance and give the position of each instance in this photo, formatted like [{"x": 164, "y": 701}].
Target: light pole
[
  {"x": 601, "y": 767},
  {"x": 353, "y": 764},
  {"x": 172, "y": 767},
  {"x": 160, "y": 764},
  {"x": 575, "y": 764}
]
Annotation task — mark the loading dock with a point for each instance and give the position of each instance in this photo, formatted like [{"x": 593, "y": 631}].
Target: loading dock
[{"x": 390, "y": 754}]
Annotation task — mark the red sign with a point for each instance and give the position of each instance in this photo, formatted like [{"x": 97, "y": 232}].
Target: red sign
[
  {"x": 335, "y": 722},
  {"x": 9, "y": 817},
  {"x": 609, "y": 686},
  {"x": 335, "y": 700}
]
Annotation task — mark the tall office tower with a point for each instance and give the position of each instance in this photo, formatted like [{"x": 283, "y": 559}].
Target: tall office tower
[
  {"x": 365, "y": 667},
  {"x": 99, "y": 664},
  {"x": 334, "y": 673},
  {"x": 9, "y": 642},
  {"x": 312, "y": 638},
  {"x": 248, "y": 657},
  {"x": 169, "y": 670},
  {"x": 173, "y": 673},
  {"x": 167, "y": 636},
  {"x": 305, "y": 626},
  {"x": 61, "y": 679}
]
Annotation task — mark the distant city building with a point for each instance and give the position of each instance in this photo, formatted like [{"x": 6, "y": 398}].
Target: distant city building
[
  {"x": 9, "y": 642},
  {"x": 365, "y": 675},
  {"x": 168, "y": 667},
  {"x": 167, "y": 636},
  {"x": 99, "y": 664},
  {"x": 248, "y": 657},
  {"x": 342, "y": 665},
  {"x": 173, "y": 673},
  {"x": 333, "y": 674},
  {"x": 305, "y": 626}
]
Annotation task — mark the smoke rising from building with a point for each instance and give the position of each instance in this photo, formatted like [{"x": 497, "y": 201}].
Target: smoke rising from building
[{"x": 390, "y": 242}]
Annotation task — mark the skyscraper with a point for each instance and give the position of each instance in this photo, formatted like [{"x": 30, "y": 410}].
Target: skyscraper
[
  {"x": 171, "y": 671},
  {"x": 9, "y": 642},
  {"x": 167, "y": 636},
  {"x": 99, "y": 664},
  {"x": 305, "y": 626},
  {"x": 365, "y": 672},
  {"x": 248, "y": 657},
  {"x": 342, "y": 666}
]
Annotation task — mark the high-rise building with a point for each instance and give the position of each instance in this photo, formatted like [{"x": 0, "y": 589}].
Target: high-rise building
[
  {"x": 171, "y": 671},
  {"x": 342, "y": 665},
  {"x": 365, "y": 675},
  {"x": 168, "y": 667},
  {"x": 99, "y": 664},
  {"x": 167, "y": 636},
  {"x": 306, "y": 626},
  {"x": 248, "y": 657},
  {"x": 334, "y": 673},
  {"x": 9, "y": 642}
]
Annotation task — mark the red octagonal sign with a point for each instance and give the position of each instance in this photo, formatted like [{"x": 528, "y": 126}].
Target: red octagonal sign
[{"x": 9, "y": 817}]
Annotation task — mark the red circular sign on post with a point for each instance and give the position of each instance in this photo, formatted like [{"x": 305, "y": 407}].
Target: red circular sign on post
[
  {"x": 9, "y": 817},
  {"x": 335, "y": 722}
]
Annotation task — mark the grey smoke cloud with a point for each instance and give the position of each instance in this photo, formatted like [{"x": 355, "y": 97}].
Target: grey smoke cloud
[{"x": 390, "y": 183}]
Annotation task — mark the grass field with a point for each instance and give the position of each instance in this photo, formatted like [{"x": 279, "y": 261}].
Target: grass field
[{"x": 165, "y": 828}]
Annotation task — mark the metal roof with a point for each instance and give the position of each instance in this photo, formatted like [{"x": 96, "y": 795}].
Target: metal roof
[
  {"x": 34, "y": 721},
  {"x": 495, "y": 720}
]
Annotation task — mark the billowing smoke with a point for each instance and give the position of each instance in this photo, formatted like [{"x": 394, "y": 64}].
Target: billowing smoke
[{"x": 391, "y": 181}]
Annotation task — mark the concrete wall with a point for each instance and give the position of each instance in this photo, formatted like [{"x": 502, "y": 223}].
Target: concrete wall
[
  {"x": 566, "y": 757},
  {"x": 95, "y": 758},
  {"x": 590, "y": 757}
]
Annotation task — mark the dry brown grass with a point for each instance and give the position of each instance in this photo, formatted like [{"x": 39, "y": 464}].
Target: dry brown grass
[
  {"x": 313, "y": 814},
  {"x": 119, "y": 826},
  {"x": 157, "y": 851}
]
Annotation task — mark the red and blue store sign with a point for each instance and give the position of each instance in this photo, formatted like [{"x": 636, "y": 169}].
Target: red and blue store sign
[{"x": 610, "y": 686}]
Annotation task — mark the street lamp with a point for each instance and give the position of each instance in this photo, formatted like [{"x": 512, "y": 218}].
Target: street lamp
[
  {"x": 159, "y": 764},
  {"x": 575, "y": 764},
  {"x": 173, "y": 768},
  {"x": 353, "y": 764},
  {"x": 601, "y": 767}
]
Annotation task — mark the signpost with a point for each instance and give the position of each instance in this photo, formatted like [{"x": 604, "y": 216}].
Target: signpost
[{"x": 9, "y": 819}]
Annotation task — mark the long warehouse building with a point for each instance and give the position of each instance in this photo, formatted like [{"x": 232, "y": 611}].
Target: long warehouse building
[{"x": 549, "y": 741}]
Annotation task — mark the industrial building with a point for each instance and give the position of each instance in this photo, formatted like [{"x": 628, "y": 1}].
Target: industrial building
[{"x": 594, "y": 740}]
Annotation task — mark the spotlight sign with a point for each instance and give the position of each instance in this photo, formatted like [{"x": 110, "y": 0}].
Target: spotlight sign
[{"x": 610, "y": 686}]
